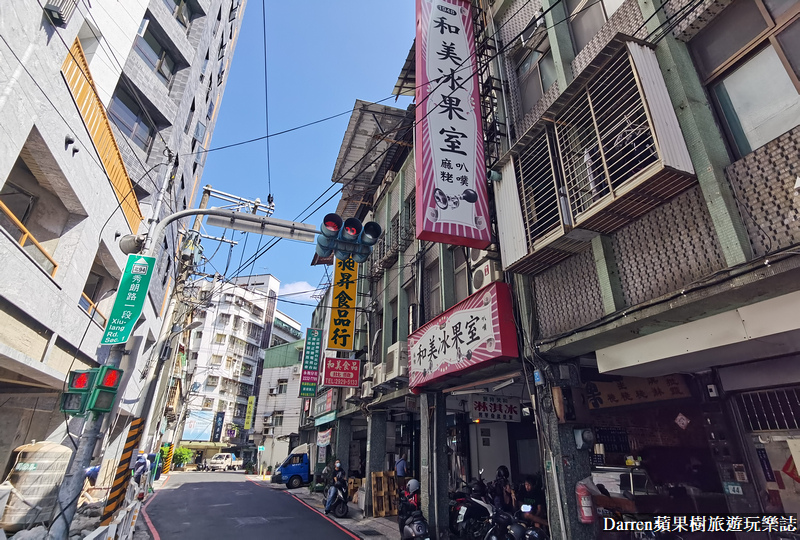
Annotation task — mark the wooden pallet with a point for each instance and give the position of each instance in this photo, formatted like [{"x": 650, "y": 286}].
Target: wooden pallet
[{"x": 384, "y": 494}]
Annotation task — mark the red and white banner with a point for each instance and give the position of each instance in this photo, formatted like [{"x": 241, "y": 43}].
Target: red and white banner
[
  {"x": 342, "y": 372},
  {"x": 452, "y": 202},
  {"x": 471, "y": 334}
]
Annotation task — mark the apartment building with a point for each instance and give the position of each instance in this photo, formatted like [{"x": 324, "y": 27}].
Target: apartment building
[{"x": 94, "y": 93}]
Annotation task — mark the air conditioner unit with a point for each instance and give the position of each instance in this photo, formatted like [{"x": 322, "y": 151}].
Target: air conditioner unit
[
  {"x": 296, "y": 370},
  {"x": 350, "y": 392},
  {"x": 378, "y": 375},
  {"x": 60, "y": 10},
  {"x": 268, "y": 421},
  {"x": 489, "y": 272},
  {"x": 366, "y": 389},
  {"x": 535, "y": 33},
  {"x": 369, "y": 370},
  {"x": 273, "y": 391},
  {"x": 397, "y": 361},
  {"x": 479, "y": 256}
]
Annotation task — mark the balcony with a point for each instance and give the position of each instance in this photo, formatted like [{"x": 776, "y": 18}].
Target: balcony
[
  {"x": 25, "y": 239},
  {"x": 90, "y": 307},
  {"x": 608, "y": 151},
  {"x": 76, "y": 72}
]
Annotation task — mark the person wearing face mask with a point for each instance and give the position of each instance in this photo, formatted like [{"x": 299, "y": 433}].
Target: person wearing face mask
[{"x": 337, "y": 477}]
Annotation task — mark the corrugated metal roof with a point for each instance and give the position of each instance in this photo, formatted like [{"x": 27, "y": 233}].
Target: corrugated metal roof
[{"x": 406, "y": 84}]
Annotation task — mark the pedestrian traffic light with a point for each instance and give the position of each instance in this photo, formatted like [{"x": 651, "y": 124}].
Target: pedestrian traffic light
[
  {"x": 76, "y": 397},
  {"x": 347, "y": 238},
  {"x": 105, "y": 391}
]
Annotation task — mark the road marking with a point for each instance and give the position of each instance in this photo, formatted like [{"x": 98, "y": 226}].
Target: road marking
[
  {"x": 147, "y": 521},
  {"x": 347, "y": 532}
]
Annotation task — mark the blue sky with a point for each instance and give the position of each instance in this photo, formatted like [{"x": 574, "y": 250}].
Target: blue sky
[{"x": 322, "y": 56}]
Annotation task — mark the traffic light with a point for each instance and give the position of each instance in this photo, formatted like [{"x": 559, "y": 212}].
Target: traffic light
[
  {"x": 76, "y": 398},
  {"x": 105, "y": 390},
  {"x": 347, "y": 238},
  {"x": 91, "y": 390}
]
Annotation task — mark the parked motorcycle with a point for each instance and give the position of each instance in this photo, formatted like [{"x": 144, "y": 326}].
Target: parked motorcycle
[
  {"x": 505, "y": 526},
  {"x": 469, "y": 516},
  {"x": 339, "y": 506}
]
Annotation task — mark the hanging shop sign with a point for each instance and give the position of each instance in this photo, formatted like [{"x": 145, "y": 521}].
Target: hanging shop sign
[
  {"x": 325, "y": 402},
  {"x": 495, "y": 408},
  {"x": 325, "y": 418},
  {"x": 472, "y": 334},
  {"x": 342, "y": 372},
  {"x": 635, "y": 390},
  {"x": 131, "y": 294},
  {"x": 452, "y": 203},
  {"x": 219, "y": 420},
  {"x": 248, "y": 416},
  {"x": 343, "y": 308},
  {"x": 311, "y": 354},
  {"x": 324, "y": 437}
]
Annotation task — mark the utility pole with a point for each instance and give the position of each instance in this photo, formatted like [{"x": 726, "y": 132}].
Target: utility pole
[{"x": 71, "y": 487}]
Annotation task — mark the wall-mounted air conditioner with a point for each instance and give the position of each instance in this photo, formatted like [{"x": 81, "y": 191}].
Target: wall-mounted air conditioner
[
  {"x": 489, "y": 272},
  {"x": 479, "y": 256},
  {"x": 378, "y": 375},
  {"x": 60, "y": 10},
  {"x": 396, "y": 361},
  {"x": 296, "y": 370},
  {"x": 366, "y": 390},
  {"x": 273, "y": 391}
]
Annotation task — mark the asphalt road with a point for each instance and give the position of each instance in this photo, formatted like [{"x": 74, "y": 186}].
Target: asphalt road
[{"x": 222, "y": 505}]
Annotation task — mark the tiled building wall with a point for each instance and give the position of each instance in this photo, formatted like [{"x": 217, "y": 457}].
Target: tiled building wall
[
  {"x": 692, "y": 20},
  {"x": 764, "y": 183},
  {"x": 568, "y": 295},
  {"x": 667, "y": 249}
]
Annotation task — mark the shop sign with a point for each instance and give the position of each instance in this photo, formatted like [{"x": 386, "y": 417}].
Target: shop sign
[
  {"x": 311, "y": 354},
  {"x": 131, "y": 294},
  {"x": 324, "y": 437},
  {"x": 766, "y": 466},
  {"x": 495, "y": 408},
  {"x": 343, "y": 309},
  {"x": 325, "y": 402},
  {"x": 635, "y": 390},
  {"x": 321, "y": 454},
  {"x": 248, "y": 417},
  {"x": 342, "y": 372},
  {"x": 325, "y": 418},
  {"x": 474, "y": 333},
  {"x": 412, "y": 404},
  {"x": 219, "y": 419},
  {"x": 452, "y": 202}
]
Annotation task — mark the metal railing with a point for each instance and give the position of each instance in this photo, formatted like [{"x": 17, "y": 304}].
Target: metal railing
[
  {"x": 91, "y": 308},
  {"x": 31, "y": 246},
  {"x": 76, "y": 72}
]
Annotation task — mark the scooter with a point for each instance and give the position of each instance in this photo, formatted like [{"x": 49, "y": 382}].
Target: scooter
[
  {"x": 416, "y": 527},
  {"x": 339, "y": 506},
  {"x": 512, "y": 527},
  {"x": 469, "y": 518}
]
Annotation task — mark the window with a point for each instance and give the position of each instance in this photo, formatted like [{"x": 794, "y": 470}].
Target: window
[
  {"x": 277, "y": 418},
  {"x": 199, "y": 132},
  {"x": 282, "y": 385},
  {"x": 536, "y": 73},
  {"x": 210, "y": 112},
  {"x": 198, "y": 334},
  {"x": 193, "y": 356},
  {"x": 222, "y": 47},
  {"x": 188, "y": 124},
  {"x": 462, "y": 277},
  {"x": 216, "y": 359},
  {"x": 208, "y": 403},
  {"x": 155, "y": 56},
  {"x": 212, "y": 380},
  {"x": 224, "y": 319},
  {"x": 586, "y": 17},
  {"x": 216, "y": 24},
  {"x": 131, "y": 119},
  {"x": 434, "y": 296},
  {"x": 181, "y": 10},
  {"x": 750, "y": 42},
  {"x": 166, "y": 271},
  {"x": 220, "y": 338},
  {"x": 220, "y": 73}
]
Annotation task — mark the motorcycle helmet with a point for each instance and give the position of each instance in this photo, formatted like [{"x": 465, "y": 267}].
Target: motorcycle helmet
[
  {"x": 534, "y": 533},
  {"x": 412, "y": 485},
  {"x": 477, "y": 490},
  {"x": 502, "y": 472},
  {"x": 517, "y": 530}
]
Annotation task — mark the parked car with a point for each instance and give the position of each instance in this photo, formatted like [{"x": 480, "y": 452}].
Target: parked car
[{"x": 225, "y": 462}]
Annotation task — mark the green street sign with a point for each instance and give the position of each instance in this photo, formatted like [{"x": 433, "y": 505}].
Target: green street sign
[
  {"x": 131, "y": 294},
  {"x": 313, "y": 348}
]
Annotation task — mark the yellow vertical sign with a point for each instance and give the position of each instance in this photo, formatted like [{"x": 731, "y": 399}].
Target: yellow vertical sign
[
  {"x": 343, "y": 311},
  {"x": 248, "y": 417}
]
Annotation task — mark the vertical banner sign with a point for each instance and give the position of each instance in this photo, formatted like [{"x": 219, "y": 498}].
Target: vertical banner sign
[
  {"x": 311, "y": 353},
  {"x": 248, "y": 417},
  {"x": 343, "y": 312},
  {"x": 452, "y": 205},
  {"x": 131, "y": 294},
  {"x": 219, "y": 419}
]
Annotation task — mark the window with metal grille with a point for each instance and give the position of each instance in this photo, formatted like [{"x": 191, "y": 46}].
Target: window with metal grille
[{"x": 770, "y": 410}]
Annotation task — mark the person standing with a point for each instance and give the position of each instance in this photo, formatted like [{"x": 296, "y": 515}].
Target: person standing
[
  {"x": 336, "y": 478},
  {"x": 400, "y": 466},
  {"x": 141, "y": 468}
]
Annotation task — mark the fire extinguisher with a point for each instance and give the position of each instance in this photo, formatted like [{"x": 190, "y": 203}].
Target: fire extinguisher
[{"x": 586, "y": 511}]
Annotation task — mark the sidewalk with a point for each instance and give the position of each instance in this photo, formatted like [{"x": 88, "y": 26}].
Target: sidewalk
[{"x": 366, "y": 528}]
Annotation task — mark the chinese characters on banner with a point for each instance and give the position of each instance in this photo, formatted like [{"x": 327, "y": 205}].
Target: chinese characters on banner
[
  {"x": 342, "y": 372},
  {"x": 343, "y": 310},
  {"x": 248, "y": 417},
  {"x": 634, "y": 390},
  {"x": 475, "y": 331},
  {"x": 311, "y": 353},
  {"x": 452, "y": 202},
  {"x": 324, "y": 437},
  {"x": 128, "y": 304},
  {"x": 495, "y": 408},
  {"x": 326, "y": 402},
  {"x": 219, "y": 420}
]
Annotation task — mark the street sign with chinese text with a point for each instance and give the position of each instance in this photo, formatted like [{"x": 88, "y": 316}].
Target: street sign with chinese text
[
  {"x": 342, "y": 372},
  {"x": 635, "y": 390},
  {"x": 219, "y": 420},
  {"x": 131, "y": 294},
  {"x": 473, "y": 333},
  {"x": 248, "y": 417},
  {"x": 311, "y": 354},
  {"x": 495, "y": 408},
  {"x": 343, "y": 308},
  {"x": 452, "y": 202}
]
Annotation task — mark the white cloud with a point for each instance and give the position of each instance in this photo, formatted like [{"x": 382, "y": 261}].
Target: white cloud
[{"x": 299, "y": 290}]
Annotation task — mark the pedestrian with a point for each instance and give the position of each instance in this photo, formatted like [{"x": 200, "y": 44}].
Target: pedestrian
[
  {"x": 141, "y": 468},
  {"x": 400, "y": 466},
  {"x": 336, "y": 477}
]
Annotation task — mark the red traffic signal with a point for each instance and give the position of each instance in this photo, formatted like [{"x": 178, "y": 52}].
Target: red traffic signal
[
  {"x": 81, "y": 381},
  {"x": 109, "y": 378}
]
